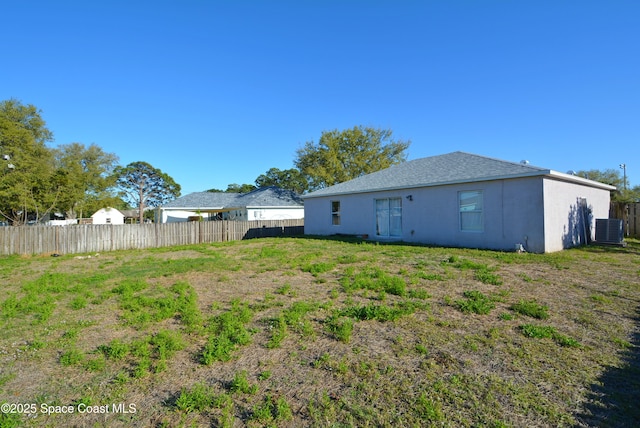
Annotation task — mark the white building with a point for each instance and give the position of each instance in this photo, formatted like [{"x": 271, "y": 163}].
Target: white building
[
  {"x": 267, "y": 203},
  {"x": 463, "y": 200},
  {"x": 108, "y": 216}
]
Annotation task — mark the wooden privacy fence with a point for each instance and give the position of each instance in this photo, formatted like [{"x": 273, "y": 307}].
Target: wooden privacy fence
[
  {"x": 90, "y": 238},
  {"x": 630, "y": 214}
]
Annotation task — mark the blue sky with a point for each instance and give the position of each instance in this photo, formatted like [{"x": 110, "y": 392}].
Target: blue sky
[{"x": 218, "y": 92}]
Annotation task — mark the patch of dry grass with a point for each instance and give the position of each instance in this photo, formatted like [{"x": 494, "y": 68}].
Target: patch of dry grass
[{"x": 133, "y": 327}]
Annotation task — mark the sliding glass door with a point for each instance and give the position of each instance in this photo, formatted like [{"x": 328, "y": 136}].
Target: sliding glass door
[{"x": 389, "y": 217}]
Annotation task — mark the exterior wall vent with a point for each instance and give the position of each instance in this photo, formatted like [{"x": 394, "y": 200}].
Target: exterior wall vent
[{"x": 609, "y": 231}]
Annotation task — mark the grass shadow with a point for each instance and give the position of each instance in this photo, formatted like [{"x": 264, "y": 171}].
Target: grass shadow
[
  {"x": 359, "y": 239},
  {"x": 632, "y": 246},
  {"x": 613, "y": 400}
]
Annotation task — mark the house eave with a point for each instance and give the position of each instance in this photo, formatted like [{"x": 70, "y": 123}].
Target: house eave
[
  {"x": 194, "y": 209},
  {"x": 580, "y": 180},
  {"x": 230, "y": 208},
  {"x": 261, "y": 207}
]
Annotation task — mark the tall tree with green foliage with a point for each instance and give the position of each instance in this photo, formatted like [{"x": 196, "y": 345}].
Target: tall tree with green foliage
[
  {"x": 289, "y": 179},
  {"x": 623, "y": 192},
  {"x": 145, "y": 186},
  {"x": 235, "y": 188},
  {"x": 240, "y": 188},
  {"x": 85, "y": 176},
  {"x": 344, "y": 155},
  {"x": 29, "y": 189},
  {"x": 607, "y": 176}
]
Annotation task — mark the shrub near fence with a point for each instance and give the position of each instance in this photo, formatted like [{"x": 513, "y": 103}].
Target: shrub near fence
[{"x": 99, "y": 238}]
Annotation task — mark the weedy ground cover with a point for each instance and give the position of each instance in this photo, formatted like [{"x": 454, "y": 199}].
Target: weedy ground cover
[{"x": 322, "y": 332}]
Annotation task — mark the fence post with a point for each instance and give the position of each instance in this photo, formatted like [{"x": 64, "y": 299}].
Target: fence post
[{"x": 634, "y": 226}]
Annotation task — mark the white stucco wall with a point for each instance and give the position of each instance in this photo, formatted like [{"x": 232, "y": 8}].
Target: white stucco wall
[
  {"x": 274, "y": 213},
  {"x": 564, "y": 222},
  {"x": 432, "y": 215},
  {"x": 172, "y": 216},
  {"x": 514, "y": 213}
]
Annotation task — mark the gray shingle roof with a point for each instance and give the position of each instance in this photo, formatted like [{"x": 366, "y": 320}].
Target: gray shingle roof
[
  {"x": 202, "y": 200},
  {"x": 263, "y": 197},
  {"x": 451, "y": 168},
  {"x": 270, "y": 197}
]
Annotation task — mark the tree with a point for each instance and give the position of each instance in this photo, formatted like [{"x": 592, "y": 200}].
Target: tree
[
  {"x": 145, "y": 186},
  {"x": 240, "y": 188},
  {"x": 343, "y": 155},
  {"x": 290, "y": 179},
  {"x": 235, "y": 188},
  {"x": 613, "y": 178},
  {"x": 28, "y": 190},
  {"x": 608, "y": 176},
  {"x": 85, "y": 176}
]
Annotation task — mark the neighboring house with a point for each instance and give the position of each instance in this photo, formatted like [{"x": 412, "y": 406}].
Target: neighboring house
[
  {"x": 108, "y": 216},
  {"x": 463, "y": 200},
  {"x": 266, "y": 203},
  {"x": 61, "y": 222},
  {"x": 58, "y": 219},
  {"x": 131, "y": 216}
]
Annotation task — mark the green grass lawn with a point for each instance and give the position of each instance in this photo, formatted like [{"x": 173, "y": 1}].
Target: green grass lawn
[{"x": 321, "y": 332}]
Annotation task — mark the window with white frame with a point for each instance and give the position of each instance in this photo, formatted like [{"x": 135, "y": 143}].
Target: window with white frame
[
  {"x": 389, "y": 217},
  {"x": 471, "y": 206},
  {"x": 335, "y": 213}
]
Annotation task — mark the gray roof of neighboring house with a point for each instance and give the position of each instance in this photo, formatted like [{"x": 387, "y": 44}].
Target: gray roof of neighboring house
[
  {"x": 451, "y": 168},
  {"x": 130, "y": 213},
  {"x": 264, "y": 197}
]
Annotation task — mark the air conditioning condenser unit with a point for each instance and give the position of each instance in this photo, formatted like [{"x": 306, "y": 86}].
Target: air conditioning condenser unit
[{"x": 610, "y": 231}]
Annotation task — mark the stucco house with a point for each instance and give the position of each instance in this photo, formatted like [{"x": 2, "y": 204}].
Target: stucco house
[
  {"x": 108, "y": 216},
  {"x": 463, "y": 200},
  {"x": 266, "y": 203}
]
